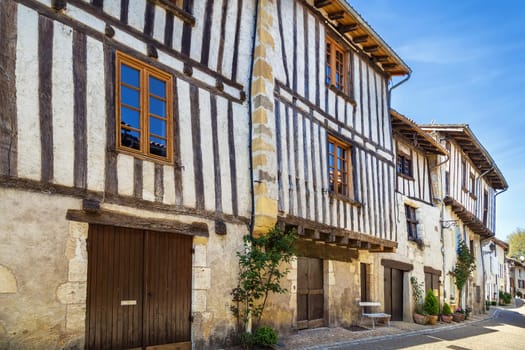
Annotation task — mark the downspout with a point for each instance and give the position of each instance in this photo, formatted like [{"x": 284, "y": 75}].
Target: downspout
[
  {"x": 478, "y": 190},
  {"x": 250, "y": 122},
  {"x": 248, "y": 325},
  {"x": 389, "y": 100}
]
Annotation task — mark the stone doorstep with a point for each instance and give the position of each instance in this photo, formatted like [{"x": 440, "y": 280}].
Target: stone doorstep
[{"x": 338, "y": 338}]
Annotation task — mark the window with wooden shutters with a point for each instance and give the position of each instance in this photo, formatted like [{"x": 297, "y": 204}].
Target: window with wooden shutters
[
  {"x": 412, "y": 222},
  {"x": 143, "y": 109},
  {"x": 335, "y": 65},
  {"x": 404, "y": 165},
  {"x": 340, "y": 167}
]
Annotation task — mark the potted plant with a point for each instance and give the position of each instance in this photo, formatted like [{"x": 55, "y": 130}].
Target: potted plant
[
  {"x": 459, "y": 315},
  {"x": 417, "y": 295},
  {"x": 431, "y": 307},
  {"x": 446, "y": 315}
]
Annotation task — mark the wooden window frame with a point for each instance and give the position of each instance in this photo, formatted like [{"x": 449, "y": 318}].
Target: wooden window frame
[
  {"x": 343, "y": 189},
  {"x": 145, "y": 71},
  {"x": 405, "y": 168},
  {"x": 412, "y": 222},
  {"x": 336, "y": 48}
]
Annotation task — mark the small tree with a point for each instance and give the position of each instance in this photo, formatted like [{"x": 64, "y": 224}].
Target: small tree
[
  {"x": 465, "y": 264},
  {"x": 260, "y": 273},
  {"x": 431, "y": 303}
]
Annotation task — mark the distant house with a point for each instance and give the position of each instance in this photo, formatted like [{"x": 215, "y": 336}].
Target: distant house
[
  {"x": 470, "y": 181},
  {"x": 516, "y": 276},
  {"x": 495, "y": 268}
]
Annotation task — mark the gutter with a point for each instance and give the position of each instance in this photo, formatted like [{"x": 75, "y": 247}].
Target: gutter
[{"x": 250, "y": 122}]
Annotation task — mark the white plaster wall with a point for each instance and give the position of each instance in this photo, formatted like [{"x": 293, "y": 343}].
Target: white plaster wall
[
  {"x": 224, "y": 154},
  {"x": 28, "y": 121},
  {"x": 245, "y": 42},
  {"x": 96, "y": 116},
  {"x": 63, "y": 105},
  {"x": 186, "y": 145},
  {"x": 197, "y": 30},
  {"x": 112, "y": 8},
  {"x": 148, "y": 181},
  {"x": 215, "y": 34},
  {"x": 125, "y": 174},
  {"x": 208, "y": 169},
  {"x": 159, "y": 24},
  {"x": 169, "y": 184},
  {"x": 136, "y": 10},
  {"x": 240, "y": 125}
]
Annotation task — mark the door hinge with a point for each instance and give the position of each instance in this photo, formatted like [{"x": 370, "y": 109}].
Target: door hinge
[
  {"x": 191, "y": 318},
  {"x": 193, "y": 250}
]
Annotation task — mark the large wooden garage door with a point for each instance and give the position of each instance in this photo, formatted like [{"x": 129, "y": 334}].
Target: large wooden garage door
[
  {"x": 139, "y": 288},
  {"x": 393, "y": 282},
  {"x": 310, "y": 295}
]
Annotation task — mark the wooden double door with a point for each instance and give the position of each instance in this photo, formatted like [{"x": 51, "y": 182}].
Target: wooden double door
[
  {"x": 393, "y": 282},
  {"x": 310, "y": 293},
  {"x": 139, "y": 289}
]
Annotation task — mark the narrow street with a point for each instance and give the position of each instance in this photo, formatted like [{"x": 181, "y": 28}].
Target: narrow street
[{"x": 506, "y": 330}]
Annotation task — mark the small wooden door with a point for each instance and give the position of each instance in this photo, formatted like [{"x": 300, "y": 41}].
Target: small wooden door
[
  {"x": 139, "y": 288},
  {"x": 393, "y": 282},
  {"x": 310, "y": 293},
  {"x": 432, "y": 282}
]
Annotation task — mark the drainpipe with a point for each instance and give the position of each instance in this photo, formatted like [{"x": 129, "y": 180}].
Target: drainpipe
[
  {"x": 250, "y": 122},
  {"x": 395, "y": 86},
  {"x": 389, "y": 99},
  {"x": 248, "y": 325}
]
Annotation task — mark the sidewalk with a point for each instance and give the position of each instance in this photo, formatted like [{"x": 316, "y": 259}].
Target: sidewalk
[{"x": 338, "y": 337}]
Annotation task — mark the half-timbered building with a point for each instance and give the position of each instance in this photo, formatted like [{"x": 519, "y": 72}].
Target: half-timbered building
[
  {"x": 418, "y": 210},
  {"x": 332, "y": 174},
  {"x": 470, "y": 181},
  {"x": 124, "y": 170}
]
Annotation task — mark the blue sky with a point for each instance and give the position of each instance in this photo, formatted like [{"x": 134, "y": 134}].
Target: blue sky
[{"x": 468, "y": 60}]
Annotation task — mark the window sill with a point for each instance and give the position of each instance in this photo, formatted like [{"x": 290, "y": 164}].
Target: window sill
[
  {"x": 345, "y": 199},
  {"x": 418, "y": 241},
  {"x": 341, "y": 94},
  {"x": 408, "y": 177},
  {"x": 144, "y": 156}
]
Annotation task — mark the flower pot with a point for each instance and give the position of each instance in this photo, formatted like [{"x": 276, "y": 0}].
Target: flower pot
[
  {"x": 458, "y": 317},
  {"x": 420, "y": 319},
  {"x": 432, "y": 319},
  {"x": 446, "y": 318}
]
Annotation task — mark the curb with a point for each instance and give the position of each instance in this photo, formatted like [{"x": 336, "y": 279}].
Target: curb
[{"x": 344, "y": 344}]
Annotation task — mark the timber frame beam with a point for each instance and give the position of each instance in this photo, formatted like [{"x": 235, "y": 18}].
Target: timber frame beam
[
  {"x": 113, "y": 218},
  {"x": 468, "y": 218},
  {"x": 324, "y": 241}
]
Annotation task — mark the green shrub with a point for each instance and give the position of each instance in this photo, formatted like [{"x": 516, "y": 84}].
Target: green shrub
[
  {"x": 431, "y": 306},
  {"x": 519, "y": 294},
  {"x": 446, "y": 309},
  {"x": 493, "y": 302},
  {"x": 265, "y": 336}
]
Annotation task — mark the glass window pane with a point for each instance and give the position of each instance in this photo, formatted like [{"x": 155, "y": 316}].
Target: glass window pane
[
  {"x": 130, "y": 97},
  {"x": 157, "y": 146},
  {"x": 328, "y": 74},
  {"x": 157, "y": 87},
  {"x": 157, "y": 106},
  {"x": 157, "y": 126},
  {"x": 130, "y": 76},
  {"x": 130, "y": 117},
  {"x": 130, "y": 138}
]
